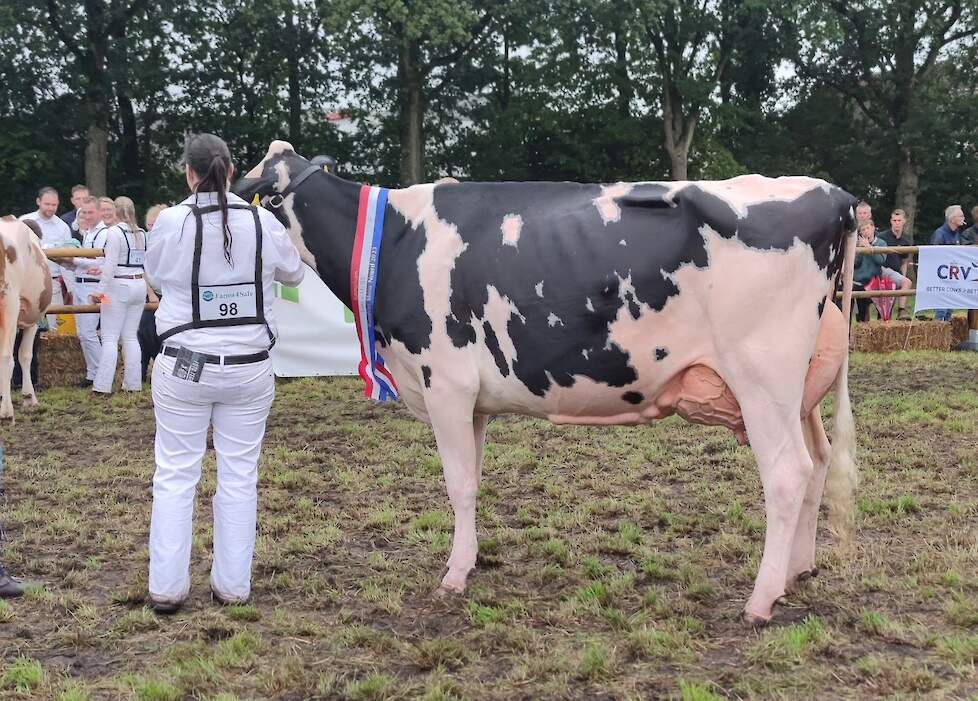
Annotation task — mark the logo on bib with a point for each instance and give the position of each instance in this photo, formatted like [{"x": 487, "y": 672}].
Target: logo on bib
[{"x": 207, "y": 295}]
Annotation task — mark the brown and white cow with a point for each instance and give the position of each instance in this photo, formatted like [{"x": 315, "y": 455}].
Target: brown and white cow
[
  {"x": 25, "y": 292},
  {"x": 607, "y": 304}
]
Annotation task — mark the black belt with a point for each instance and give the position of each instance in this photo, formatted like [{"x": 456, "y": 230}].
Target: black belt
[
  {"x": 129, "y": 277},
  {"x": 87, "y": 279},
  {"x": 228, "y": 359}
]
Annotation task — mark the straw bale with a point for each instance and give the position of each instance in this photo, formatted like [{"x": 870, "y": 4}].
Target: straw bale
[
  {"x": 61, "y": 363},
  {"x": 890, "y": 336}
]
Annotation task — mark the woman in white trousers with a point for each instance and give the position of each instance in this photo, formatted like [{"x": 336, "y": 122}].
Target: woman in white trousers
[
  {"x": 214, "y": 258},
  {"x": 122, "y": 294}
]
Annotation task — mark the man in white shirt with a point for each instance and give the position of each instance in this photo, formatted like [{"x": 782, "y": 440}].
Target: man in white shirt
[{"x": 54, "y": 232}]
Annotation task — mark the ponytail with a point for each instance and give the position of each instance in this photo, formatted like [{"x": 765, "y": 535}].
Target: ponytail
[{"x": 209, "y": 158}]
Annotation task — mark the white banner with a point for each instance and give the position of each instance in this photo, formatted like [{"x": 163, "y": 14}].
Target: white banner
[
  {"x": 316, "y": 334},
  {"x": 947, "y": 277}
]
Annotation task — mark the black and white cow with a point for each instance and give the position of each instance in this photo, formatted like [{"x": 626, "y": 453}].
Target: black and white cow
[{"x": 607, "y": 304}]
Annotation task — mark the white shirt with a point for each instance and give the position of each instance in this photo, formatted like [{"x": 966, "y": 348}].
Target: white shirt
[
  {"x": 54, "y": 232},
  {"x": 115, "y": 254},
  {"x": 82, "y": 265},
  {"x": 169, "y": 263}
]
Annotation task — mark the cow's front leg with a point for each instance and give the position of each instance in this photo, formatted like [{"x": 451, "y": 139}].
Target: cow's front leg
[
  {"x": 455, "y": 433},
  {"x": 8, "y": 329},
  {"x": 24, "y": 356}
]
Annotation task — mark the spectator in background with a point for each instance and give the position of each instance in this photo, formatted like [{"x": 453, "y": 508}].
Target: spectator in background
[
  {"x": 54, "y": 232},
  {"x": 152, "y": 213},
  {"x": 864, "y": 212},
  {"x": 78, "y": 195},
  {"x": 899, "y": 262},
  {"x": 948, "y": 234},
  {"x": 122, "y": 294},
  {"x": 866, "y": 267},
  {"x": 969, "y": 237},
  {"x": 86, "y": 278}
]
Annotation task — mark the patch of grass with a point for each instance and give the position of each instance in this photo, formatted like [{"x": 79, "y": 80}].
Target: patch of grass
[
  {"x": 484, "y": 614},
  {"x": 962, "y": 611},
  {"x": 597, "y": 661},
  {"x": 888, "y": 508},
  {"x": 375, "y": 687},
  {"x": 783, "y": 647},
  {"x": 237, "y": 651},
  {"x": 696, "y": 691},
  {"x": 23, "y": 674},
  {"x": 74, "y": 691},
  {"x": 6, "y": 611},
  {"x": 156, "y": 690},
  {"x": 242, "y": 612},
  {"x": 959, "y": 650},
  {"x": 432, "y": 521},
  {"x": 440, "y": 652}
]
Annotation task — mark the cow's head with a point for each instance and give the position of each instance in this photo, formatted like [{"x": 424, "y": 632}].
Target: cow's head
[
  {"x": 272, "y": 181},
  {"x": 271, "y": 178}
]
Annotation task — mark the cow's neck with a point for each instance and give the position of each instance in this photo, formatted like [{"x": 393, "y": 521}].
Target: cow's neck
[{"x": 328, "y": 216}]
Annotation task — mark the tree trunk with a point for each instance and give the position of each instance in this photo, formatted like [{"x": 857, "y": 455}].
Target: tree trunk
[
  {"x": 908, "y": 175},
  {"x": 96, "y": 155},
  {"x": 97, "y": 148},
  {"x": 411, "y": 108},
  {"x": 622, "y": 80},
  {"x": 679, "y": 131},
  {"x": 131, "y": 163}
]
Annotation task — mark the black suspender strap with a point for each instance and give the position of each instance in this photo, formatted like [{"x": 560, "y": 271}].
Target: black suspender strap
[{"x": 197, "y": 322}]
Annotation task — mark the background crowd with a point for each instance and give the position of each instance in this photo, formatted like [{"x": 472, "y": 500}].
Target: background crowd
[
  {"x": 893, "y": 271},
  {"x": 96, "y": 223}
]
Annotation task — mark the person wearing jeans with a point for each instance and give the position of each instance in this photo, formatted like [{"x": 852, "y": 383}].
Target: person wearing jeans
[
  {"x": 122, "y": 294},
  {"x": 215, "y": 259}
]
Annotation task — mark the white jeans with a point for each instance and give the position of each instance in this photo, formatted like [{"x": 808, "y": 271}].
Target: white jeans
[
  {"x": 236, "y": 399},
  {"x": 87, "y": 326},
  {"x": 120, "y": 319}
]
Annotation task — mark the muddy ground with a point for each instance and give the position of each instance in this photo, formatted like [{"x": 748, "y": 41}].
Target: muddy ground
[{"x": 613, "y": 562}]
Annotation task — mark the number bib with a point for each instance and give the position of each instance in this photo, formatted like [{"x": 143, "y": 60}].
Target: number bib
[
  {"x": 136, "y": 257},
  {"x": 228, "y": 302}
]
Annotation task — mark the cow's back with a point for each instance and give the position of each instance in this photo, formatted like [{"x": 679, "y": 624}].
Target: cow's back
[{"x": 563, "y": 286}]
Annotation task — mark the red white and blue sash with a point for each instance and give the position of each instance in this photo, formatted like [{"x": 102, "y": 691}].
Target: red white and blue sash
[{"x": 377, "y": 379}]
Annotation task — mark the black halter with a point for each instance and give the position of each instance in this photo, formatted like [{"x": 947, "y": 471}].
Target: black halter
[{"x": 290, "y": 188}]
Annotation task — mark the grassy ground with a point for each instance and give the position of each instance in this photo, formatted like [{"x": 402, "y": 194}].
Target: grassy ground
[{"x": 613, "y": 564}]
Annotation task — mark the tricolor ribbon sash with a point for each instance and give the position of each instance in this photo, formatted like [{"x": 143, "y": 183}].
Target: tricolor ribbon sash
[{"x": 379, "y": 384}]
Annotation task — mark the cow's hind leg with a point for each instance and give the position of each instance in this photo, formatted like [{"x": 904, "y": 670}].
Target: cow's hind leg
[
  {"x": 802, "y": 563},
  {"x": 455, "y": 430},
  {"x": 24, "y": 357},
  {"x": 770, "y": 396}
]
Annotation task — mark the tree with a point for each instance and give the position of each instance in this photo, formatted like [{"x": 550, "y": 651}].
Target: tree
[
  {"x": 883, "y": 56},
  {"x": 102, "y": 24},
  {"x": 401, "y": 55}
]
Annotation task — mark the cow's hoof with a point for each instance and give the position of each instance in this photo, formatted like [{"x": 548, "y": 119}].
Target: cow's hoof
[
  {"x": 799, "y": 580},
  {"x": 753, "y": 620},
  {"x": 443, "y": 592},
  {"x": 30, "y": 400}
]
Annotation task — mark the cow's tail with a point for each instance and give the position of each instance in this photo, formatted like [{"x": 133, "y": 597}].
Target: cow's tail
[{"x": 840, "y": 484}]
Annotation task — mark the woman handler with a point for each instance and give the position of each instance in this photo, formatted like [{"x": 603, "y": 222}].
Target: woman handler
[
  {"x": 122, "y": 293},
  {"x": 214, "y": 258}
]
